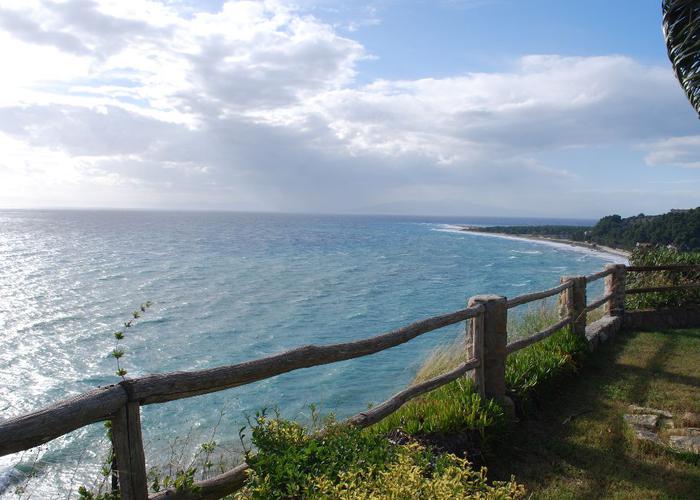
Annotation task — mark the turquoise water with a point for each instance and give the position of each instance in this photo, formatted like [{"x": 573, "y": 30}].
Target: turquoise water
[{"x": 226, "y": 288}]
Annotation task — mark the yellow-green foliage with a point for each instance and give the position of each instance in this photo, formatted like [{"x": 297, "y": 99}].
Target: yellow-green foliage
[
  {"x": 347, "y": 462},
  {"x": 289, "y": 456},
  {"x": 413, "y": 475}
]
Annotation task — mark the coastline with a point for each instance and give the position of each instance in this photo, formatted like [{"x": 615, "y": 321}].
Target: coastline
[{"x": 619, "y": 254}]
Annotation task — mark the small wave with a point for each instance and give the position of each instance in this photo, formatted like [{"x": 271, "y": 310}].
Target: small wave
[
  {"x": 447, "y": 228},
  {"x": 7, "y": 477},
  {"x": 528, "y": 252},
  {"x": 357, "y": 314}
]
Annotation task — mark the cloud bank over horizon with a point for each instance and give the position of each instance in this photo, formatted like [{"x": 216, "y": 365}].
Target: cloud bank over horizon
[{"x": 257, "y": 106}]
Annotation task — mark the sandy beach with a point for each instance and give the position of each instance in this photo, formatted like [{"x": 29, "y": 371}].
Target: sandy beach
[{"x": 619, "y": 254}]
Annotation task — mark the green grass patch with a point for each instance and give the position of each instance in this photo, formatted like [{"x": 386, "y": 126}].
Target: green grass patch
[
  {"x": 452, "y": 408},
  {"x": 457, "y": 407},
  {"x": 542, "y": 363},
  {"x": 575, "y": 445}
]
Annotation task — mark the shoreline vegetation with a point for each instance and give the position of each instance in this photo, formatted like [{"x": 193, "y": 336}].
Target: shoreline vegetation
[
  {"x": 538, "y": 238},
  {"x": 679, "y": 228}
]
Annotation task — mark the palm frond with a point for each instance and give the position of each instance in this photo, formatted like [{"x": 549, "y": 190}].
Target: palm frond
[{"x": 681, "y": 27}]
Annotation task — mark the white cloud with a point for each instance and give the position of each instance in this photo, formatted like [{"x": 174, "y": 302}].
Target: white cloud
[
  {"x": 255, "y": 106},
  {"x": 676, "y": 151}
]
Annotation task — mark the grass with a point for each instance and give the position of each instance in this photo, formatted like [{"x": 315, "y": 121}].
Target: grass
[
  {"x": 542, "y": 364},
  {"x": 457, "y": 408},
  {"x": 575, "y": 444}
]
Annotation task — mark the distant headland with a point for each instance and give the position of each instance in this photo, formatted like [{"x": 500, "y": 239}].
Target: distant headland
[{"x": 679, "y": 228}]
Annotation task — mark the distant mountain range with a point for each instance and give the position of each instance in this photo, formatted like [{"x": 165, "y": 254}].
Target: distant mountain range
[{"x": 680, "y": 228}]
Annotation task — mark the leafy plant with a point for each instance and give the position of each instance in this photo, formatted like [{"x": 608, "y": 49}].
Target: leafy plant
[
  {"x": 416, "y": 473},
  {"x": 682, "y": 32},
  {"x": 289, "y": 456},
  {"x": 102, "y": 492},
  {"x": 117, "y": 352},
  {"x": 345, "y": 462},
  {"x": 649, "y": 256}
]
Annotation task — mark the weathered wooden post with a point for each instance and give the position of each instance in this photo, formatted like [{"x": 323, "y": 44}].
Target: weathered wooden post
[
  {"x": 475, "y": 345},
  {"x": 572, "y": 303},
  {"x": 128, "y": 451},
  {"x": 495, "y": 339},
  {"x": 615, "y": 285}
]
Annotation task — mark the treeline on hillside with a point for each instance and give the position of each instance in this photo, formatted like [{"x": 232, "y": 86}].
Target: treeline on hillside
[
  {"x": 576, "y": 233},
  {"x": 680, "y": 228}
]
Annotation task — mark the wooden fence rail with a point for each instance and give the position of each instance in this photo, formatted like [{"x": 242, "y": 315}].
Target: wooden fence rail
[
  {"x": 600, "y": 302},
  {"x": 670, "y": 288},
  {"x": 36, "y": 428},
  {"x": 666, "y": 267},
  {"x": 596, "y": 276},
  {"x": 531, "y": 297},
  {"x": 176, "y": 385},
  {"x": 487, "y": 349},
  {"x": 523, "y": 343}
]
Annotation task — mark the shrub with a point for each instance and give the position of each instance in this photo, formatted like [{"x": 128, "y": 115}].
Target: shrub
[
  {"x": 346, "y": 462},
  {"x": 289, "y": 457},
  {"x": 414, "y": 474},
  {"x": 647, "y": 256}
]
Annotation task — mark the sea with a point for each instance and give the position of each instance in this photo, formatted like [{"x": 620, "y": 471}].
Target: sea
[{"x": 225, "y": 288}]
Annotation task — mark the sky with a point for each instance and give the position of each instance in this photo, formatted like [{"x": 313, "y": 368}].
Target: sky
[{"x": 430, "y": 107}]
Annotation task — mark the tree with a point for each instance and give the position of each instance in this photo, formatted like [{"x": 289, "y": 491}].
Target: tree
[{"x": 681, "y": 27}]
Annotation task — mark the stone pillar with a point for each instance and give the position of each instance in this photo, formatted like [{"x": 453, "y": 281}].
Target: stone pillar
[
  {"x": 615, "y": 284},
  {"x": 572, "y": 302},
  {"x": 495, "y": 339}
]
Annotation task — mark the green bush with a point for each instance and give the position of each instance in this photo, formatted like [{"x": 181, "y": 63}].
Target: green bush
[
  {"x": 417, "y": 474},
  {"x": 289, "y": 457},
  {"x": 346, "y": 462},
  {"x": 648, "y": 256}
]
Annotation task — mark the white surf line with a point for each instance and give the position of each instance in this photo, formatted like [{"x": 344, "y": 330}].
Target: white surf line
[{"x": 609, "y": 256}]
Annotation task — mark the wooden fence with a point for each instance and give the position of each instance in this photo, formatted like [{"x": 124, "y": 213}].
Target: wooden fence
[{"x": 486, "y": 353}]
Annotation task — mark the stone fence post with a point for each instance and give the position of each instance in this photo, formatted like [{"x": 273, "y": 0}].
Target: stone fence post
[
  {"x": 615, "y": 285},
  {"x": 572, "y": 302},
  {"x": 491, "y": 328}
]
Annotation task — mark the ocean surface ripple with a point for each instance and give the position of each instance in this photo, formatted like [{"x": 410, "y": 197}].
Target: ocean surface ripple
[{"x": 229, "y": 287}]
